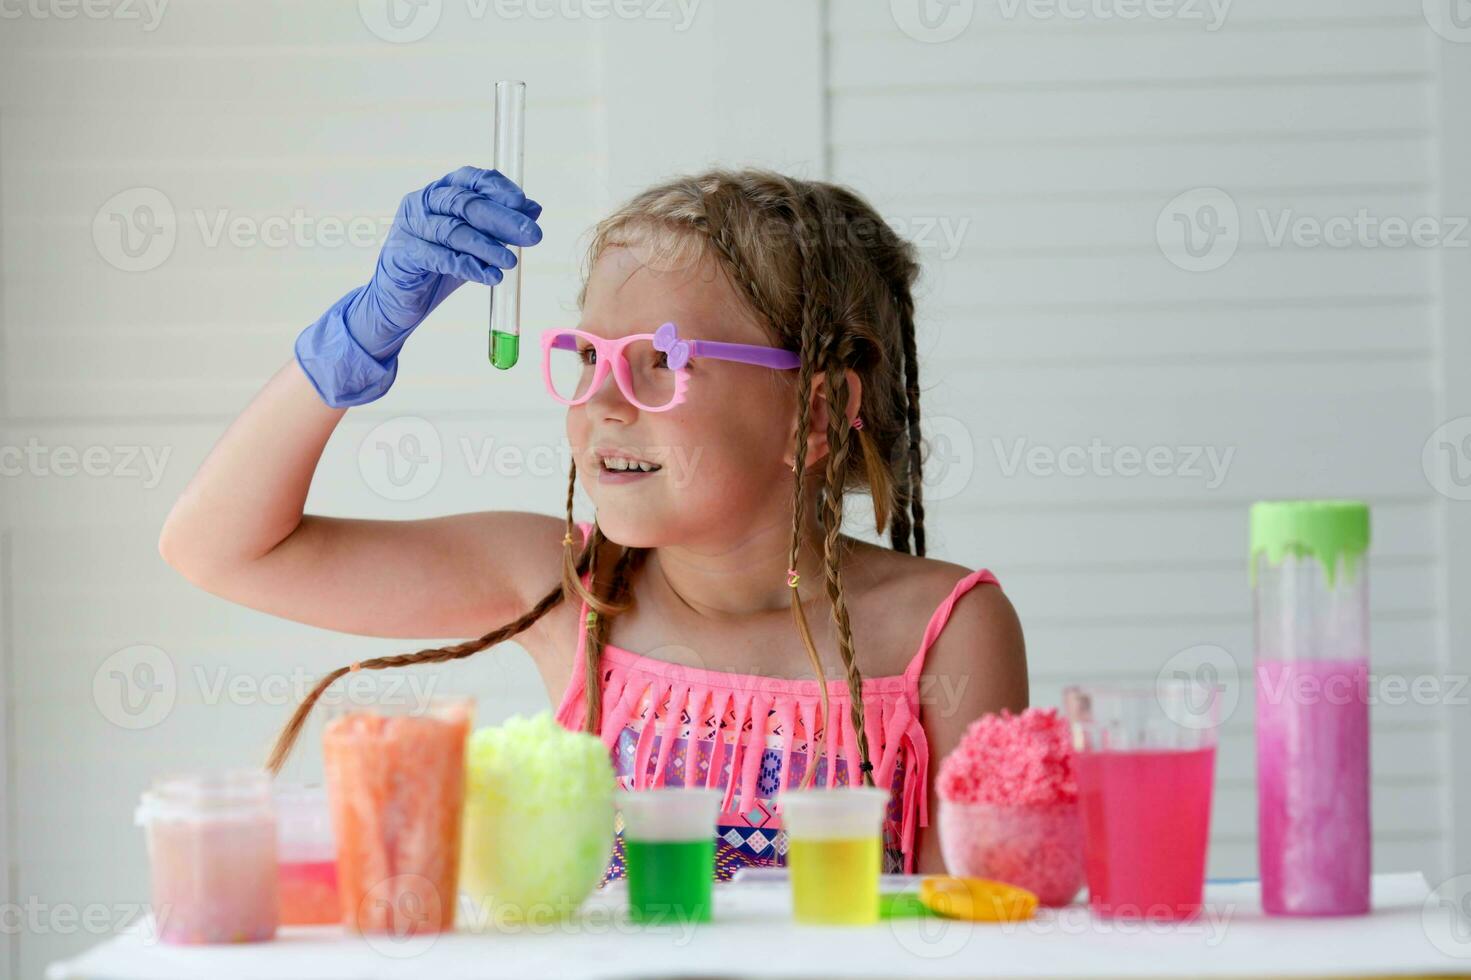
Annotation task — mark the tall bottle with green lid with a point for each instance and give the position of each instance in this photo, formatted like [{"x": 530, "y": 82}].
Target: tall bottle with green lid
[{"x": 1309, "y": 574}]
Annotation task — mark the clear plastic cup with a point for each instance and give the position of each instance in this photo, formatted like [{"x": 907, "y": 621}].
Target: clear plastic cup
[
  {"x": 669, "y": 852},
  {"x": 396, "y": 783},
  {"x": 306, "y": 856},
  {"x": 835, "y": 852},
  {"x": 1145, "y": 766},
  {"x": 212, "y": 851},
  {"x": 1039, "y": 848}
]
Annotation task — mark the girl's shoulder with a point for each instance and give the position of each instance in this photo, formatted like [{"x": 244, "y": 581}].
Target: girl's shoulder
[
  {"x": 910, "y": 582},
  {"x": 910, "y": 602}
]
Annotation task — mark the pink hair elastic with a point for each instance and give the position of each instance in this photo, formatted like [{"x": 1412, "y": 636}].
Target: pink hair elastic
[
  {"x": 792, "y": 577},
  {"x": 858, "y": 422}
]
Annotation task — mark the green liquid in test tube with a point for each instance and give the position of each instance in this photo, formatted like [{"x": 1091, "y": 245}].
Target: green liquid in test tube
[{"x": 510, "y": 159}]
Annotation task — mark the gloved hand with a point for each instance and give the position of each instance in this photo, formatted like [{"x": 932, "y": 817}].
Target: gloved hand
[{"x": 452, "y": 231}]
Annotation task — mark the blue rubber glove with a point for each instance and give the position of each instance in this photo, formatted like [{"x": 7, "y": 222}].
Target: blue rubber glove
[{"x": 455, "y": 230}]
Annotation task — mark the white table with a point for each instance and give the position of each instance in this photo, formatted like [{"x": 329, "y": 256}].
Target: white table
[{"x": 1409, "y": 933}]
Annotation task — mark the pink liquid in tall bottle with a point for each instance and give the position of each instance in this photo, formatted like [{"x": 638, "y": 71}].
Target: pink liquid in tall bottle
[
  {"x": 1312, "y": 724},
  {"x": 1146, "y": 820}
]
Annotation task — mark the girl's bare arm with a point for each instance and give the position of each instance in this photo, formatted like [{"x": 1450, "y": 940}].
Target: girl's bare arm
[{"x": 238, "y": 530}]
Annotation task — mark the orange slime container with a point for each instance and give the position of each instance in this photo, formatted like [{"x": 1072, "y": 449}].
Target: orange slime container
[{"x": 396, "y": 784}]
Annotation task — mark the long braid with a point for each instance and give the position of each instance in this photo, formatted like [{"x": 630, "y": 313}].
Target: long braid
[
  {"x": 914, "y": 482},
  {"x": 597, "y": 637},
  {"x": 809, "y": 358},
  {"x": 577, "y": 561},
  {"x": 838, "y": 431},
  {"x": 292, "y": 731},
  {"x": 602, "y": 609}
]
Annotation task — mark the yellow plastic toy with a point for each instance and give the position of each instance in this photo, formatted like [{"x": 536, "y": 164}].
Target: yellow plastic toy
[{"x": 976, "y": 899}]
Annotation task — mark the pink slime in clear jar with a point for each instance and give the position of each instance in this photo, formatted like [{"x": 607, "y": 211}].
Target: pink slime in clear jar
[
  {"x": 1009, "y": 805},
  {"x": 212, "y": 847}
]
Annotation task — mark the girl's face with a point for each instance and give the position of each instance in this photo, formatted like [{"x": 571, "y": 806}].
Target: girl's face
[{"x": 724, "y": 453}]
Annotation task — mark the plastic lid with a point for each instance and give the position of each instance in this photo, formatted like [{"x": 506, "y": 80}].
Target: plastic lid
[
  {"x": 303, "y": 822},
  {"x": 669, "y": 814},
  {"x": 833, "y": 813},
  {"x": 1328, "y": 530},
  {"x": 222, "y": 794}
]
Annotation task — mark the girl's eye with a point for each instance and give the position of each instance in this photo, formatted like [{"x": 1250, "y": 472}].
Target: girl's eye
[{"x": 588, "y": 355}]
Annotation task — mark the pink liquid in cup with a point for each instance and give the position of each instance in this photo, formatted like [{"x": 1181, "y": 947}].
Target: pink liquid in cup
[
  {"x": 308, "y": 892},
  {"x": 1146, "y": 819},
  {"x": 1313, "y": 786}
]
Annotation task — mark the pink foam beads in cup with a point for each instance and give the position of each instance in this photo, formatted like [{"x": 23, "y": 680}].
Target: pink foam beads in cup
[
  {"x": 1009, "y": 805},
  {"x": 212, "y": 851}
]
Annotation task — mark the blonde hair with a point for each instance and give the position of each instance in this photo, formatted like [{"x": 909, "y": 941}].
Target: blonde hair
[{"x": 825, "y": 276}]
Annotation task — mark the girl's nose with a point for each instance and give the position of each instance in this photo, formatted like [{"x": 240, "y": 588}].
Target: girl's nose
[{"x": 609, "y": 403}]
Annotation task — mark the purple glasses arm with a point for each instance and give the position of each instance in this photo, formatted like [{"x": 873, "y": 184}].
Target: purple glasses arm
[{"x": 771, "y": 357}]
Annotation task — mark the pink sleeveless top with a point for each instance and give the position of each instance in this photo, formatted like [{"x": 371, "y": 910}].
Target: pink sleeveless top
[{"x": 666, "y": 724}]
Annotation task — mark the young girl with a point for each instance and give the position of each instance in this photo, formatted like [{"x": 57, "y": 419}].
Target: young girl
[{"x": 745, "y": 359}]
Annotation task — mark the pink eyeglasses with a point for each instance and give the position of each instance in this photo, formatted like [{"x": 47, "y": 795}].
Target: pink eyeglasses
[{"x": 651, "y": 368}]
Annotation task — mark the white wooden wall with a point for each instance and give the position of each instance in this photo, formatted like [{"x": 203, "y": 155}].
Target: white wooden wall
[
  {"x": 1048, "y": 149},
  {"x": 1056, "y": 145}
]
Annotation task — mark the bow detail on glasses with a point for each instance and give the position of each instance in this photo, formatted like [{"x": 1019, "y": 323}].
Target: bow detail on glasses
[{"x": 667, "y": 342}]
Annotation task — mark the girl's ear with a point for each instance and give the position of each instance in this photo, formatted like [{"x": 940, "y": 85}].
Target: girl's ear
[{"x": 817, "y": 418}]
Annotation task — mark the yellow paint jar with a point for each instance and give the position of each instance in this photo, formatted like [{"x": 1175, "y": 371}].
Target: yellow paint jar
[{"x": 834, "y": 854}]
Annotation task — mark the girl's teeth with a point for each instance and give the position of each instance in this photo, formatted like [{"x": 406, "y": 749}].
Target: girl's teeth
[{"x": 621, "y": 465}]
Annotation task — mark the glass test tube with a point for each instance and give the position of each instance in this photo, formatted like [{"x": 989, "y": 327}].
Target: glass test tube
[{"x": 510, "y": 159}]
